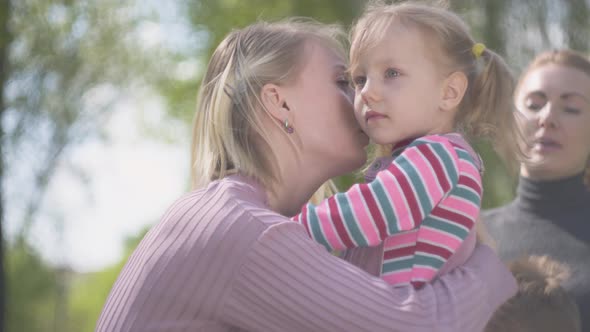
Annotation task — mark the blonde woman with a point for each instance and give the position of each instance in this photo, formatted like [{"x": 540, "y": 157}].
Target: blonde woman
[{"x": 274, "y": 121}]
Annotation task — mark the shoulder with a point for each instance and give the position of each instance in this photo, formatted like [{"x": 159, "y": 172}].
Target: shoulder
[
  {"x": 214, "y": 227},
  {"x": 224, "y": 204},
  {"x": 186, "y": 264},
  {"x": 500, "y": 222},
  {"x": 446, "y": 145},
  {"x": 439, "y": 151},
  {"x": 495, "y": 215}
]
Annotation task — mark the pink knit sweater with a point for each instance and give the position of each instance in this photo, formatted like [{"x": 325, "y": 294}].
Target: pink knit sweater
[{"x": 220, "y": 260}]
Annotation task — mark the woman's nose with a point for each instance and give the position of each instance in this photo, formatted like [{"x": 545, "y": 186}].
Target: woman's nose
[{"x": 548, "y": 116}]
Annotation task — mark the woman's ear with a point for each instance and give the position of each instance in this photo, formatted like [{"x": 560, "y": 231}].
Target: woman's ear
[
  {"x": 273, "y": 99},
  {"x": 454, "y": 88}
]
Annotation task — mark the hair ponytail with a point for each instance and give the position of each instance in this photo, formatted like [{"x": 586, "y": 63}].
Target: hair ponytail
[{"x": 488, "y": 111}]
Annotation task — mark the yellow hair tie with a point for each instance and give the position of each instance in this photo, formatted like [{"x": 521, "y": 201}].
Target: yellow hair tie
[{"x": 478, "y": 49}]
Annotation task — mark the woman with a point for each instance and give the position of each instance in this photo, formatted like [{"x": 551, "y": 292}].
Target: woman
[
  {"x": 551, "y": 212},
  {"x": 273, "y": 122}
]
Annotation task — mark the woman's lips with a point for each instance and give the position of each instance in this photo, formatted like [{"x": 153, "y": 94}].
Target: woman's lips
[{"x": 546, "y": 145}]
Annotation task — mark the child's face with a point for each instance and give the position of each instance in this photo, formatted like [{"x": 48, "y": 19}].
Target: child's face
[{"x": 398, "y": 87}]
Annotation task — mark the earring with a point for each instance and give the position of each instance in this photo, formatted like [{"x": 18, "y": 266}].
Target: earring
[{"x": 288, "y": 128}]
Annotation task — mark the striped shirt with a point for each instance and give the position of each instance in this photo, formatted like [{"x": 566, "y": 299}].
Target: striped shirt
[{"x": 423, "y": 206}]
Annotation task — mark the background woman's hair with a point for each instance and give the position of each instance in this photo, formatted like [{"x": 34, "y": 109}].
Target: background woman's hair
[
  {"x": 541, "y": 304},
  {"x": 228, "y": 131},
  {"x": 486, "y": 110}
]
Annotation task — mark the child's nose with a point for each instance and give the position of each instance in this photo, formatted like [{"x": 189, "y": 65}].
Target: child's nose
[{"x": 370, "y": 92}]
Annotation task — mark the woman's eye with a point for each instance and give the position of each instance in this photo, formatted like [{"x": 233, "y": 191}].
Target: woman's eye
[
  {"x": 571, "y": 110},
  {"x": 534, "y": 105},
  {"x": 343, "y": 81},
  {"x": 359, "y": 81},
  {"x": 390, "y": 72}
]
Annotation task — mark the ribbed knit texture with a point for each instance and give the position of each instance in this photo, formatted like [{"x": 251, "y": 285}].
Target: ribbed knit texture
[
  {"x": 220, "y": 260},
  {"x": 423, "y": 205}
]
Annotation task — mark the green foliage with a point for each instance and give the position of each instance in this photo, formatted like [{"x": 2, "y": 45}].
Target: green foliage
[
  {"x": 31, "y": 291},
  {"x": 213, "y": 19},
  {"x": 89, "y": 292},
  {"x": 69, "y": 62},
  {"x": 88, "y": 296}
]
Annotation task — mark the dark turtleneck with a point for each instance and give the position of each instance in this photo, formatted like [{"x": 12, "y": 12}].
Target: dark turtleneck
[{"x": 549, "y": 218}]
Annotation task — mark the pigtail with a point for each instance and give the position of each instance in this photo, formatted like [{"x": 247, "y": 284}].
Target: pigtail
[{"x": 490, "y": 111}]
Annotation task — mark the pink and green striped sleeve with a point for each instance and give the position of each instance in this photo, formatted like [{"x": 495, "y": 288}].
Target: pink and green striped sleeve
[{"x": 399, "y": 199}]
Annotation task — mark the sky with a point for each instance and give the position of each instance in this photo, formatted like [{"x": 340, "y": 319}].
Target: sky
[
  {"x": 131, "y": 180},
  {"x": 131, "y": 175}
]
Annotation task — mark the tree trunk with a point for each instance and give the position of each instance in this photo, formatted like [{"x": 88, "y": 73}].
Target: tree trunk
[
  {"x": 4, "y": 42},
  {"x": 577, "y": 25},
  {"x": 493, "y": 30}
]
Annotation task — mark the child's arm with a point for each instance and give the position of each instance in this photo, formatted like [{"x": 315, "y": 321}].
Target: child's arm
[{"x": 399, "y": 199}]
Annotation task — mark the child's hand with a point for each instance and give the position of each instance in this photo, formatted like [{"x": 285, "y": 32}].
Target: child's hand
[{"x": 483, "y": 236}]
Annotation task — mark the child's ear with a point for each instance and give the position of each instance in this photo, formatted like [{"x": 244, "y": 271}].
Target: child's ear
[
  {"x": 273, "y": 99},
  {"x": 454, "y": 88}
]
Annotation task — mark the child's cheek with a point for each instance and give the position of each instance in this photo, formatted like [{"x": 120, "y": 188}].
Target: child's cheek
[{"x": 358, "y": 114}]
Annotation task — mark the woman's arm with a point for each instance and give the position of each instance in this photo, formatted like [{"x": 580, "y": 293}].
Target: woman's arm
[{"x": 289, "y": 283}]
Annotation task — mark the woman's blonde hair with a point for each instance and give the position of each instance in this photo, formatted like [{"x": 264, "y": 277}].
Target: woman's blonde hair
[
  {"x": 486, "y": 110},
  {"x": 228, "y": 131},
  {"x": 566, "y": 58}
]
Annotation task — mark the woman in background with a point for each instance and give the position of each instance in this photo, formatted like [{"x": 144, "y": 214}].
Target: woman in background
[{"x": 551, "y": 212}]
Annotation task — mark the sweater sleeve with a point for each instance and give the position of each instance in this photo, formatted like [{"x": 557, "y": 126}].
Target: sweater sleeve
[
  {"x": 289, "y": 283},
  {"x": 399, "y": 199}
]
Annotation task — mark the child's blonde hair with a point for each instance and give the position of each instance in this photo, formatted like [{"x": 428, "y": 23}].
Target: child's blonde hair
[
  {"x": 486, "y": 110},
  {"x": 541, "y": 304},
  {"x": 566, "y": 58},
  {"x": 228, "y": 131}
]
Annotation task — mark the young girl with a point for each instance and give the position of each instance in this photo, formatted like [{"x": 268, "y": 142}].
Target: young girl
[{"x": 422, "y": 84}]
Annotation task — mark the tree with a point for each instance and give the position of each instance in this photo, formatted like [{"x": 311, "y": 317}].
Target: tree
[
  {"x": 69, "y": 61},
  {"x": 31, "y": 291},
  {"x": 577, "y": 24},
  {"x": 4, "y": 42},
  {"x": 66, "y": 65}
]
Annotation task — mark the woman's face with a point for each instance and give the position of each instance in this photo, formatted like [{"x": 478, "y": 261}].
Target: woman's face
[
  {"x": 322, "y": 106},
  {"x": 554, "y": 102}
]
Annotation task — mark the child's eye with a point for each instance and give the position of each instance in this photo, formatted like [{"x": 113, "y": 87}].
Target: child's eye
[
  {"x": 390, "y": 72},
  {"x": 359, "y": 81}
]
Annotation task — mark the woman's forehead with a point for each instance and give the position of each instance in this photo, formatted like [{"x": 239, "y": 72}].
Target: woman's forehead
[
  {"x": 319, "y": 54},
  {"x": 557, "y": 79}
]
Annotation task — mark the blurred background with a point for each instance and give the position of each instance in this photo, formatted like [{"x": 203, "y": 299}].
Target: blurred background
[{"x": 96, "y": 102}]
